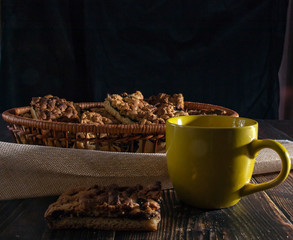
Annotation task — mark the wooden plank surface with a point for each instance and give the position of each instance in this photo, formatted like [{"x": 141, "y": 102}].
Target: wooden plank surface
[
  {"x": 281, "y": 195},
  {"x": 283, "y": 125},
  {"x": 272, "y": 130},
  {"x": 254, "y": 217},
  {"x": 264, "y": 215},
  {"x": 5, "y": 135}
]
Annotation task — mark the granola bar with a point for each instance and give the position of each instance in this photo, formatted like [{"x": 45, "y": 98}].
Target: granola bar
[
  {"x": 176, "y": 100},
  {"x": 96, "y": 116},
  {"x": 107, "y": 208},
  {"x": 53, "y": 108},
  {"x": 131, "y": 108}
]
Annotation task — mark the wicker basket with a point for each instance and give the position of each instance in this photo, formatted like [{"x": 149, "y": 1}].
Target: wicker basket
[{"x": 112, "y": 137}]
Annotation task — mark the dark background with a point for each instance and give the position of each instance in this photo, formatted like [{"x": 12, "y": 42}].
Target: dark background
[{"x": 220, "y": 52}]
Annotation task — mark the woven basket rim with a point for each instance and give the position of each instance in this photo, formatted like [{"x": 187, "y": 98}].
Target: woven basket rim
[{"x": 11, "y": 117}]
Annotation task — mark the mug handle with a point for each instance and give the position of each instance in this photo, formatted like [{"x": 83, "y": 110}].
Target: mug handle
[{"x": 255, "y": 147}]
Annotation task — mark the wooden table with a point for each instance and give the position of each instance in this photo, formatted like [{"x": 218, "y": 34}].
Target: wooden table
[{"x": 264, "y": 215}]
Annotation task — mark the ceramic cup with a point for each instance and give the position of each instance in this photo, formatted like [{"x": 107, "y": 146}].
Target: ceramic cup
[{"x": 211, "y": 159}]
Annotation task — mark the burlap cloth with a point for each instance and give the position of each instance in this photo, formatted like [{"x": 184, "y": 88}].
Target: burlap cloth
[{"x": 33, "y": 171}]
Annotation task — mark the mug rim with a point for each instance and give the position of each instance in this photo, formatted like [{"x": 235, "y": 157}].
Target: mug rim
[{"x": 253, "y": 123}]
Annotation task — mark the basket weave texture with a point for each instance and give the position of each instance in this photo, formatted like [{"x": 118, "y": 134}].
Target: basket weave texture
[{"x": 110, "y": 137}]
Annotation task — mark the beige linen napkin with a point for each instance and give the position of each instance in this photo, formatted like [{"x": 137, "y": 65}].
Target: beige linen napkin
[
  {"x": 269, "y": 161},
  {"x": 33, "y": 171}
]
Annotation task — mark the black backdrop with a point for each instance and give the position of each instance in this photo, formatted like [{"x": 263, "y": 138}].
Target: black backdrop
[{"x": 221, "y": 52}]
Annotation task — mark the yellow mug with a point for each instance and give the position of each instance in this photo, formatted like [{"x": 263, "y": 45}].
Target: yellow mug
[{"x": 211, "y": 159}]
